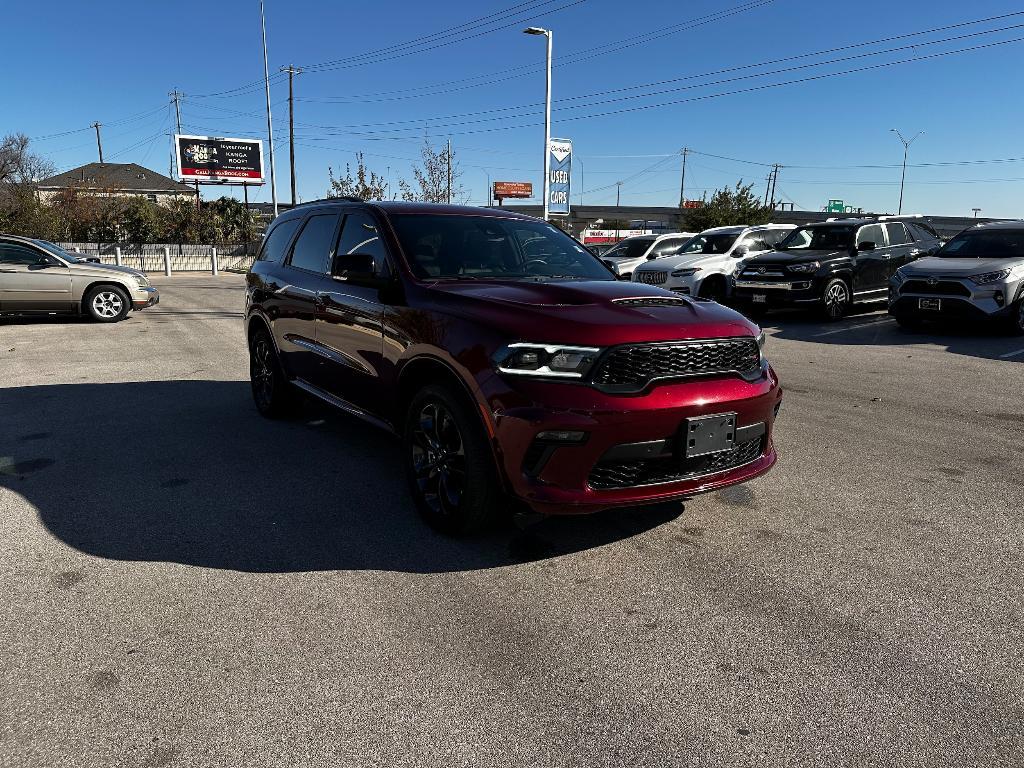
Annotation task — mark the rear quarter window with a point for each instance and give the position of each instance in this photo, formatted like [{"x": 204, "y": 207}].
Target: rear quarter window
[{"x": 275, "y": 244}]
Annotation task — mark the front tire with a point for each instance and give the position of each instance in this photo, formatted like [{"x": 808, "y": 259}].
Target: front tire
[
  {"x": 107, "y": 304},
  {"x": 836, "y": 299},
  {"x": 448, "y": 463},
  {"x": 1017, "y": 318},
  {"x": 271, "y": 390}
]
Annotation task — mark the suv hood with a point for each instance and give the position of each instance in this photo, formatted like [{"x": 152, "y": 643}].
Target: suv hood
[
  {"x": 689, "y": 260},
  {"x": 931, "y": 265},
  {"x": 795, "y": 257},
  {"x": 587, "y": 312},
  {"x": 92, "y": 268}
]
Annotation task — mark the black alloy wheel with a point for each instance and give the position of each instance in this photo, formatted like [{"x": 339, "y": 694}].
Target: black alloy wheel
[
  {"x": 836, "y": 299},
  {"x": 271, "y": 390},
  {"x": 448, "y": 463},
  {"x": 1017, "y": 318}
]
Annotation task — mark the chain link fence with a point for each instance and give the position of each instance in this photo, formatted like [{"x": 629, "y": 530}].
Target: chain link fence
[{"x": 158, "y": 257}]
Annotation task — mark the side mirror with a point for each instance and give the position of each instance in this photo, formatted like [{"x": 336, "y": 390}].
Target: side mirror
[
  {"x": 354, "y": 266},
  {"x": 740, "y": 251},
  {"x": 867, "y": 245}
]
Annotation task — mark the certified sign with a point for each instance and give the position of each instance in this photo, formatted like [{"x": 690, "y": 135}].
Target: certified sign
[
  {"x": 213, "y": 159},
  {"x": 560, "y": 175}
]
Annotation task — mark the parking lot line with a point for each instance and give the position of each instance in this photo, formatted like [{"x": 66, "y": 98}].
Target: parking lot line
[
  {"x": 1012, "y": 354},
  {"x": 880, "y": 321}
]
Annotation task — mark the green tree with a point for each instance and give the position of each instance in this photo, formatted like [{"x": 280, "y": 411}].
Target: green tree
[
  {"x": 230, "y": 220},
  {"x": 728, "y": 207},
  {"x": 366, "y": 185}
]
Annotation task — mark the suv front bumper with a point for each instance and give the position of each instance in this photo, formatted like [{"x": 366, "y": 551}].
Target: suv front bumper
[
  {"x": 145, "y": 297},
  {"x": 631, "y": 451},
  {"x": 959, "y": 298}
]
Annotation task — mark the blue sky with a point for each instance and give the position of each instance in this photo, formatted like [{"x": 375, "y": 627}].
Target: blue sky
[{"x": 115, "y": 62}]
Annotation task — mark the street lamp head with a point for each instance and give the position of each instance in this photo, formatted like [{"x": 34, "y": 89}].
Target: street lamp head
[{"x": 535, "y": 31}]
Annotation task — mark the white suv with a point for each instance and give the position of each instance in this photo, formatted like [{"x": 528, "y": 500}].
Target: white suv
[
  {"x": 704, "y": 266},
  {"x": 630, "y": 253},
  {"x": 979, "y": 274}
]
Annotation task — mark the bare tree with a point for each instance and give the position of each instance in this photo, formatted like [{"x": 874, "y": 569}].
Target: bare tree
[
  {"x": 19, "y": 166},
  {"x": 431, "y": 178},
  {"x": 21, "y": 212},
  {"x": 366, "y": 185}
]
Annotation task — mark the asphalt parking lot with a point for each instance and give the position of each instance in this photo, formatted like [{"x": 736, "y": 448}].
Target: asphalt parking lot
[{"x": 187, "y": 584}]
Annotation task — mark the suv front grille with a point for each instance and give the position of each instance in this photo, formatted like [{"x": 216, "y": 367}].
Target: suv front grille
[
  {"x": 763, "y": 272},
  {"x": 652, "y": 278},
  {"x": 942, "y": 288},
  {"x": 631, "y": 368},
  {"x": 607, "y": 475}
]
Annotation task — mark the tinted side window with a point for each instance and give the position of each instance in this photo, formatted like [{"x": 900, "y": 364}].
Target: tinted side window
[
  {"x": 359, "y": 235},
  {"x": 11, "y": 253},
  {"x": 897, "y": 234},
  {"x": 920, "y": 232},
  {"x": 871, "y": 233},
  {"x": 276, "y": 242},
  {"x": 667, "y": 247},
  {"x": 774, "y": 236},
  {"x": 312, "y": 249},
  {"x": 755, "y": 241}
]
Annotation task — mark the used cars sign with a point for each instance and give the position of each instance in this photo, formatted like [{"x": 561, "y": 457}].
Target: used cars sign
[
  {"x": 218, "y": 160},
  {"x": 559, "y": 176}
]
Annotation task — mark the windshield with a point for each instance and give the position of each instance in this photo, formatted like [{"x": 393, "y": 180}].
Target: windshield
[
  {"x": 979, "y": 244},
  {"x": 708, "y": 244},
  {"x": 56, "y": 250},
  {"x": 818, "y": 239},
  {"x": 447, "y": 247},
  {"x": 631, "y": 248}
]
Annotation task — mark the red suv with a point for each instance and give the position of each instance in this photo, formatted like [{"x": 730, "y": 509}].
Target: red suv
[{"x": 508, "y": 359}]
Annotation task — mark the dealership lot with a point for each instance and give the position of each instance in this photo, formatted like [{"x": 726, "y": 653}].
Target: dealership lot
[{"x": 175, "y": 594}]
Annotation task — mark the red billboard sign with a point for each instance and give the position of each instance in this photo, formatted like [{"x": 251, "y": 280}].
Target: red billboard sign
[{"x": 209, "y": 159}]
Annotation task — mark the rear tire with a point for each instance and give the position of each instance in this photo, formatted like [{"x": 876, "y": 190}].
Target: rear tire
[
  {"x": 448, "y": 463},
  {"x": 273, "y": 394},
  {"x": 107, "y": 304},
  {"x": 835, "y": 299}
]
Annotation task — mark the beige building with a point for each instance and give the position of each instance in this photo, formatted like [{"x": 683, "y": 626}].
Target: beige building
[{"x": 116, "y": 180}]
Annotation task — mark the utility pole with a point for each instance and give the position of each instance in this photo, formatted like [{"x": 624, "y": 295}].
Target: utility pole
[
  {"x": 775, "y": 179},
  {"x": 292, "y": 71},
  {"x": 176, "y": 98},
  {"x": 99, "y": 144},
  {"x": 768, "y": 187},
  {"x": 906, "y": 150},
  {"x": 581, "y": 183},
  {"x": 449, "y": 158},
  {"x": 618, "y": 193},
  {"x": 270, "y": 119},
  {"x": 682, "y": 180}
]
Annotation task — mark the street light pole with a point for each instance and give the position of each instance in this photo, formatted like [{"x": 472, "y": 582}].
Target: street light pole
[
  {"x": 547, "y": 114},
  {"x": 906, "y": 150},
  {"x": 270, "y": 120}
]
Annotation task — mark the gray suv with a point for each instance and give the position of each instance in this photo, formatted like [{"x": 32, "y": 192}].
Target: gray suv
[
  {"x": 38, "y": 277},
  {"x": 979, "y": 274}
]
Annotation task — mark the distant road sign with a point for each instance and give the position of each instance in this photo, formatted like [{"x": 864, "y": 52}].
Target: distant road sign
[
  {"x": 560, "y": 176},
  {"x": 504, "y": 189},
  {"x": 835, "y": 206},
  {"x": 212, "y": 159}
]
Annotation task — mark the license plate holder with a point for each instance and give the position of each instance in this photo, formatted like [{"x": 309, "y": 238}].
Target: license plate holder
[
  {"x": 760, "y": 298},
  {"x": 705, "y": 435},
  {"x": 935, "y": 305}
]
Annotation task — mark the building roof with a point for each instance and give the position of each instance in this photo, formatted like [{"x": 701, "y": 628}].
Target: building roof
[{"x": 119, "y": 177}]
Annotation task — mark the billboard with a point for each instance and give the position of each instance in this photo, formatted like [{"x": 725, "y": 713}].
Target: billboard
[
  {"x": 216, "y": 160},
  {"x": 559, "y": 176},
  {"x": 503, "y": 189}
]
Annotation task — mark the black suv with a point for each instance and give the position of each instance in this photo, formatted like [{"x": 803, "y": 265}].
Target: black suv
[{"x": 831, "y": 265}]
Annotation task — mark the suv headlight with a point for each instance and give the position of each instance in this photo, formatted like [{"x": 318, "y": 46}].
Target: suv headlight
[
  {"x": 546, "y": 360},
  {"x": 898, "y": 277},
  {"x": 990, "y": 277},
  {"x": 685, "y": 272},
  {"x": 760, "y": 342},
  {"x": 141, "y": 281},
  {"x": 804, "y": 269}
]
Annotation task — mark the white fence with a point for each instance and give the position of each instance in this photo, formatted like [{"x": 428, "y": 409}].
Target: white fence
[{"x": 169, "y": 258}]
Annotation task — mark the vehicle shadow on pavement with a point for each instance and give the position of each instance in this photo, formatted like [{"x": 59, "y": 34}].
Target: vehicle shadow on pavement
[
  {"x": 189, "y": 472},
  {"x": 871, "y": 327}
]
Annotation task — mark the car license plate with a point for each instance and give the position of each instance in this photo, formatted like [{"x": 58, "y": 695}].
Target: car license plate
[
  {"x": 932, "y": 304},
  {"x": 708, "y": 434},
  {"x": 760, "y": 298}
]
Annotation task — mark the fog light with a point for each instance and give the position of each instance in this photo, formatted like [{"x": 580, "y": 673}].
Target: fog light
[
  {"x": 999, "y": 298},
  {"x": 562, "y": 436}
]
